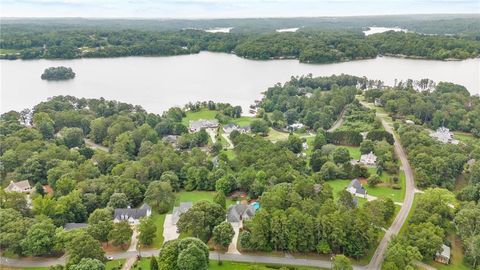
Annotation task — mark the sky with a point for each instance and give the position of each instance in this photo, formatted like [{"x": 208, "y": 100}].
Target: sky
[{"x": 229, "y": 8}]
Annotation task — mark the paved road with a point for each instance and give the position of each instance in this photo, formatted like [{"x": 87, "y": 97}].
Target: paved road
[
  {"x": 213, "y": 256},
  {"x": 376, "y": 261}
]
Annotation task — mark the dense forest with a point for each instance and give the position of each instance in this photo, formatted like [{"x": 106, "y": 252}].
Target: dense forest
[
  {"x": 26, "y": 40},
  {"x": 464, "y": 24}
]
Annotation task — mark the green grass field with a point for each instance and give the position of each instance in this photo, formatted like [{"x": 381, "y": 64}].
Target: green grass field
[
  {"x": 466, "y": 137},
  {"x": 195, "y": 196},
  {"x": 201, "y": 114},
  {"x": 159, "y": 220},
  {"x": 275, "y": 135},
  {"x": 397, "y": 195},
  {"x": 354, "y": 151},
  {"x": 230, "y": 154},
  {"x": 142, "y": 264},
  {"x": 243, "y": 121},
  {"x": 226, "y": 265}
]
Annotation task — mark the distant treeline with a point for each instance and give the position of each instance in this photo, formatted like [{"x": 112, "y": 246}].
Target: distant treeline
[
  {"x": 310, "y": 45},
  {"x": 465, "y": 24}
]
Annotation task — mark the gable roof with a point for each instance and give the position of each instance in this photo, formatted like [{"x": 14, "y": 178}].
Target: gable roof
[
  {"x": 135, "y": 213},
  {"x": 445, "y": 252},
  {"x": 238, "y": 212},
  {"x": 22, "y": 185},
  {"x": 178, "y": 210},
  {"x": 357, "y": 186}
]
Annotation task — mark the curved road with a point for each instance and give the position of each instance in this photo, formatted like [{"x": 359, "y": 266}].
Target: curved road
[{"x": 375, "y": 262}]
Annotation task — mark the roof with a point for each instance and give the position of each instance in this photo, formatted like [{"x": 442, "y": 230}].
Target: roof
[
  {"x": 23, "y": 185},
  {"x": 178, "y": 210},
  {"x": 238, "y": 212},
  {"x": 135, "y": 213},
  {"x": 445, "y": 252},
  {"x": 357, "y": 186},
  {"x": 71, "y": 226},
  {"x": 202, "y": 123}
]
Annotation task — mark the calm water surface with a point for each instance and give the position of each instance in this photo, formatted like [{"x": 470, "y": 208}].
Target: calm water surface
[{"x": 158, "y": 83}]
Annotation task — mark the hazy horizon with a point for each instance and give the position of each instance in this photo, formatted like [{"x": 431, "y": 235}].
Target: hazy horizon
[{"x": 217, "y": 9}]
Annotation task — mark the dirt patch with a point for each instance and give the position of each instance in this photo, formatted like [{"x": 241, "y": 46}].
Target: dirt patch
[
  {"x": 109, "y": 248},
  {"x": 238, "y": 194},
  {"x": 48, "y": 189}
]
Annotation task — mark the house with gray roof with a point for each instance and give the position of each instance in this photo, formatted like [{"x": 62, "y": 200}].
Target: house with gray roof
[
  {"x": 229, "y": 128},
  {"x": 21, "y": 186},
  {"x": 240, "y": 212},
  {"x": 73, "y": 226},
  {"x": 178, "y": 210},
  {"x": 443, "y": 256},
  {"x": 195, "y": 126},
  {"x": 356, "y": 188},
  {"x": 132, "y": 215}
]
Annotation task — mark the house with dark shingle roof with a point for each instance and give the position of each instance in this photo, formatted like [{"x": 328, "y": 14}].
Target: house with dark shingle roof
[
  {"x": 132, "y": 215},
  {"x": 356, "y": 188},
  {"x": 240, "y": 212}
]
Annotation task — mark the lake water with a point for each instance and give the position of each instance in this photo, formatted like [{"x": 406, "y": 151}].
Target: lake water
[
  {"x": 375, "y": 30},
  {"x": 158, "y": 83}
]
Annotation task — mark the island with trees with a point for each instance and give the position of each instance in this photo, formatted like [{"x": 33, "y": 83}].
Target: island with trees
[
  {"x": 58, "y": 74},
  {"x": 303, "y": 175}
]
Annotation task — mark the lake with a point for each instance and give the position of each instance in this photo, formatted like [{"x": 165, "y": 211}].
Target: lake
[{"x": 158, "y": 83}]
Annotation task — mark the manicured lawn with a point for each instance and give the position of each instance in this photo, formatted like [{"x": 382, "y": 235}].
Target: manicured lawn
[
  {"x": 226, "y": 265},
  {"x": 275, "y": 135},
  {"x": 195, "y": 196},
  {"x": 111, "y": 264},
  {"x": 354, "y": 151},
  {"x": 201, "y": 114},
  {"x": 159, "y": 220},
  {"x": 243, "y": 120},
  {"x": 143, "y": 264},
  {"x": 338, "y": 185},
  {"x": 397, "y": 195},
  {"x": 230, "y": 154}
]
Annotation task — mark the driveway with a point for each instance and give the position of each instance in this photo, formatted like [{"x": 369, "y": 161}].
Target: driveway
[
  {"x": 226, "y": 137},
  {"x": 134, "y": 241},
  {"x": 169, "y": 229},
  {"x": 212, "y": 133},
  {"x": 232, "y": 248}
]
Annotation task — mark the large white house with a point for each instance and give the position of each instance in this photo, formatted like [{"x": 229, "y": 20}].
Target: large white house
[
  {"x": 195, "y": 126},
  {"x": 132, "y": 215},
  {"x": 443, "y": 134},
  {"x": 21, "y": 186}
]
